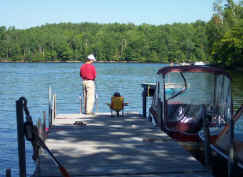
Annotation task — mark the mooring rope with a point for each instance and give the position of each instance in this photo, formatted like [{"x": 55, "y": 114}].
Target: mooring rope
[{"x": 31, "y": 134}]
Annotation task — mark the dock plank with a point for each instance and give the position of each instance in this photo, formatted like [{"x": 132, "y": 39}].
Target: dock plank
[{"x": 111, "y": 146}]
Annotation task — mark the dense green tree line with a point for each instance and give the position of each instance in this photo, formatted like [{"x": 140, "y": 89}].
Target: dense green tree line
[
  {"x": 217, "y": 41},
  {"x": 227, "y": 47}
]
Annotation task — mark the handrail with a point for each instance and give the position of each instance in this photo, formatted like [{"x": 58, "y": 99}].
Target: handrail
[
  {"x": 49, "y": 106},
  {"x": 227, "y": 127}
]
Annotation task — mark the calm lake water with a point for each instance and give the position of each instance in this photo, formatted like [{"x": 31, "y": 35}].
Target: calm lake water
[{"x": 32, "y": 80}]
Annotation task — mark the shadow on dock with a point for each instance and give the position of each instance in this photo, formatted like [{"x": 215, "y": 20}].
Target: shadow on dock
[{"x": 115, "y": 146}]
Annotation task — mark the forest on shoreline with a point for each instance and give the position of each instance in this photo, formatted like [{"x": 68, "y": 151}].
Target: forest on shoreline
[{"x": 218, "y": 41}]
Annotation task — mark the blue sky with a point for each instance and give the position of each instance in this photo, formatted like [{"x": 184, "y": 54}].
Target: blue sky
[{"x": 29, "y": 13}]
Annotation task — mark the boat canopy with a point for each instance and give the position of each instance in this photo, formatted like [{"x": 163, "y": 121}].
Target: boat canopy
[
  {"x": 189, "y": 93},
  {"x": 193, "y": 68}
]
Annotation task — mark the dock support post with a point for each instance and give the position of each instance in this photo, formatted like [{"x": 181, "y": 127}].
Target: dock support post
[
  {"x": 207, "y": 150},
  {"x": 55, "y": 106},
  {"x": 40, "y": 129},
  {"x": 8, "y": 172},
  {"x": 21, "y": 140},
  {"x": 49, "y": 108},
  {"x": 148, "y": 91},
  {"x": 144, "y": 94},
  {"x": 53, "y": 117},
  {"x": 231, "y": 158},
  {"x": 44, "y": 125}
]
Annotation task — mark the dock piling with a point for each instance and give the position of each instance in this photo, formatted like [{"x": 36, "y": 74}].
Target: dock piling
[
  {"x": 44, "y": 125},
  {"x": 144, "y": 103},
  {"x": 207, "y": 149},
  {"x": 21, "y": 139},
  {"x": 8, "y": 172},
  {"x": 148, "y": 91}
]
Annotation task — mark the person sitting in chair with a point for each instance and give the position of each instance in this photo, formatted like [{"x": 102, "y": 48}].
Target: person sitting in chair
[{"x": 117, "y": 103}]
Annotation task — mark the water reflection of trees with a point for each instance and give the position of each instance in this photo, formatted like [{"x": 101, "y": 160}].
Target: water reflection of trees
[{"x": 237, "y": 87}]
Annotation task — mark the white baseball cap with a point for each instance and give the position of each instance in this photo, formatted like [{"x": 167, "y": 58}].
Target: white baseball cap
[{"x": 91, "y": 57}]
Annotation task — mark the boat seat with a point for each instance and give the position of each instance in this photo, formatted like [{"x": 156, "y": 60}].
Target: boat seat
[{"x": 185, "y": 117}]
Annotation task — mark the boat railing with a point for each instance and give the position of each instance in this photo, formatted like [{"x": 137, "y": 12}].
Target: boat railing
[{"x": 225, "y": 136}]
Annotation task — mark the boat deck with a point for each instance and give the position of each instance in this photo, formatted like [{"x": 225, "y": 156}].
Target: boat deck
[{"x": 115, "y": 146}]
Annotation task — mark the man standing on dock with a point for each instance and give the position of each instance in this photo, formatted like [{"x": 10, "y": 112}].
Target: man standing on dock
[{"x": 88, "y": 75}]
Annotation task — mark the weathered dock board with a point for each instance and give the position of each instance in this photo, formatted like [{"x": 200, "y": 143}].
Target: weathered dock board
[{"x": 111, "y": 146}]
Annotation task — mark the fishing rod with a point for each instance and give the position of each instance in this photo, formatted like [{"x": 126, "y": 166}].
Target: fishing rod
[{"x": 56, "y": 162}]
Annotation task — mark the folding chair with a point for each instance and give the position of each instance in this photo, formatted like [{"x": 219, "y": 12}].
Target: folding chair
[{"x": 117, "y": 104}]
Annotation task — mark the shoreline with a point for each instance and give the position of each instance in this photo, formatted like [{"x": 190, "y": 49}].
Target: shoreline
[
  {"x": 69, "y": 61},
  {"x": 101, "y": 61}
]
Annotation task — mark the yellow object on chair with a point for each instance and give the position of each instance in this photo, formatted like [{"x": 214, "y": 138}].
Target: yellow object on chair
[{"x": 117, "y": 104}]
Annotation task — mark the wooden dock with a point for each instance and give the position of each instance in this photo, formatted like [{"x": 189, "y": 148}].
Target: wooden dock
[{"x": 111, "y": 146}]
